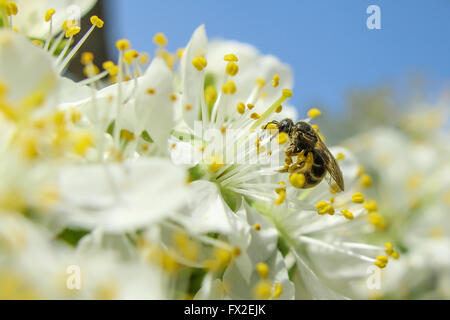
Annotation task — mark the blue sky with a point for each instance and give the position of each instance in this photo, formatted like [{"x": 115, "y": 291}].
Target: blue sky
[{"x": 326, "y": 42}]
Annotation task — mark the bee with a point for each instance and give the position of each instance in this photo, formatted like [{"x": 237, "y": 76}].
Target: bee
[{"x": 313, "y": 159}]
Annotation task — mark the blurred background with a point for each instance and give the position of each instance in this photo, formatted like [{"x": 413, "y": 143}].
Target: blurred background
[{"x": 327, "y": 43}]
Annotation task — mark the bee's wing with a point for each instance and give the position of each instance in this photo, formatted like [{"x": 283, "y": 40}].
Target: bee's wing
[{"x": 335, "y": 174}]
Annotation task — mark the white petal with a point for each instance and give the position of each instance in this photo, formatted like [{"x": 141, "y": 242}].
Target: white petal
[
  {"x": 191, "y": 78},
  {"x": 121, "y": 197}
]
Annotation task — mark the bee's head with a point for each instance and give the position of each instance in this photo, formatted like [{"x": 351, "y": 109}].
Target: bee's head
[
  {"x": 285, "y": 125},
  {"x": 307, "y": 131}
]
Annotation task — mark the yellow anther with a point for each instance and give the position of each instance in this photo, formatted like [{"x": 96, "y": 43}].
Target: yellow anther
[
  {"x": 287, "y": 93},
  {"x": 260, "y": 83},
  {"x": 75, "y": 115},
  {"x": 87, "y": 57},
  {"x": 240, "y": 107},
  {"x": 382, "y": 258},
  {"x": 186, "y": 246},
  {"x": 230, "y": 57},
  {"x": 188, "y": 107},
  {"x": 11, "y": 8},
  {"x": 236, "y": 252},
  {"x": 250, "y": 106},
  {"x": 127, "y": 135},
  {"x": 263, "y": 270},
  {"x": 37, "y": 42},
  {"x": 297, "y": 180},
  {"x": 389, "y": 248},
  {"x": 395, "y": 255},
  {"x": 332, "y": 200},
  {"x": 130, "y": 55},
  {"x": 223, "y": 129},
  {"x": 123, "y": 44},
  {"x": 35, "y": 99},
  {"x": 229, "y": 87},
  {"x": 82, "y": 142},
  {"x": 107, "y": 65},
  {"x": 151, "y": 91},
  {"x": 232, "y": 68},
  {"x": 357, "y": 197},
  {"x": 70, "y": 32},
  {"x": 279, "y": 109},
  {"x": 215, "y": 163},
  {"x": 340, "y": 156},
  {"x": 281, "y": 196},
  {"x": 49, "y": 14},
  {"x": 180, "y": 52},
  {"x": 361, "y": 170},
  {"x": 90, "y": 70},
  {"x": 67, "y": 24},
  {"x": 276, "y": 80},
  {"x": 173, "y": 97},
  {"x": 210, "y": 94},
  {"x": 366, "y": 180},
  {"x": 278, "y": 290},
  {"x": 271, "y": 126},
  {"x": 377, "y": 220},
  {"x": 380, "y": 264},
  {"x": 370, "y": 205},
  {"x": 283, "y": 138},
  {"x": 257, "y": 227},
  {"x": 263, "y": 290},
  {"x": 144, "y": 58},
  {"x": 160, "y": 39},
  {"x": 255, "y": 116},
  {"x": 199, "y": 63},
  {"x": 314, "y": 112},
  {"x": 347, "y": 214},
  {"x": 97, "y": 21}
]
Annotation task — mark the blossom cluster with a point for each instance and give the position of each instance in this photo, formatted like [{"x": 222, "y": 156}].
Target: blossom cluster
[{"x": 112, "y": 188}]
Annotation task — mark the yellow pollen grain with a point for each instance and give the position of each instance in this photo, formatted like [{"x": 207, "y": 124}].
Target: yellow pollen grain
[
  {"x": 232, "y": 68},
  {"x": 281, "y": 196},
  {"x": 151, "y": 91},
  {"x": 223, "y": 129},
  {"x": 297, "y": 180},
  {"x": 87, "y": 57},
  {"x": 210, "y": 94},
  {"x": 279, "y": 109},
  {"x": 250, "y": 106},
  {"x": 199, "y": 63},
  {"x": 357, "y": 197},
  {"x": 229, "y": 87},
  {"x": 144, "y": 58},
  {"x": 11, "y": 8},
  {"x": 340, "y": 156},
  {"x": 314, "y": 112},
  {"x": 276, "y": 80},
  {"x": 366, "y": 180},
  {"x": 72, "y": 31},
  {"x": 282, "y": 138},
  {"x": 278, "y": 290},
  {"x": 263, "y": 270},
  {"x": 188, "y": 107},
  {"x": 160, "y": 39},
  {"x": 257, "y": 227},
  {"x": 130, "y": 55},
  {"x": 37, "y": 42},
  {"x": 287, "y": 93},
  {"x": 240, "y": 107},
  {"x": 370, "y": 205},
  {"x": 255, "y": 116},
  {"x": 347, "y": 214},
  {"x": 49, "y": 14},
  {"x": 173, "y": 97},
  {"x": 179, "y": 53},
  {"x": 262, "y": 290},
  {"x": 97, "y": 21},
  {"x": 123, "y": 44},
  {"x": 230, "y": 57},
  {"x": 260, "y": 83}
]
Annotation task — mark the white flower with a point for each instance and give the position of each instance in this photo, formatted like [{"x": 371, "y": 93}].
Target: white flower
[{"x": 30, "y": 19}]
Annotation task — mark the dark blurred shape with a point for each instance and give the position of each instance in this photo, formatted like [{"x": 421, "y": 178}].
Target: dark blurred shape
[{"x": 96, "y": 43}]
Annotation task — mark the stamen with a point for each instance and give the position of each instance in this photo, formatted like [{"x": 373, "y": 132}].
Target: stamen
[
  {"x": 366, "y": 180},
  {"x": 263, "y": 270},
  {"x": 199, "y": 63},
  {"x": 230, "y": 57},
  {"x": 357, "y": 197},
  {"x": 312, "y": 113},
  {"x": 160, "y": 39},
  {"x": 232, "y": 68},
  {"x": 275, "y": 80},
  {"x": 286, "y": 94}
]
